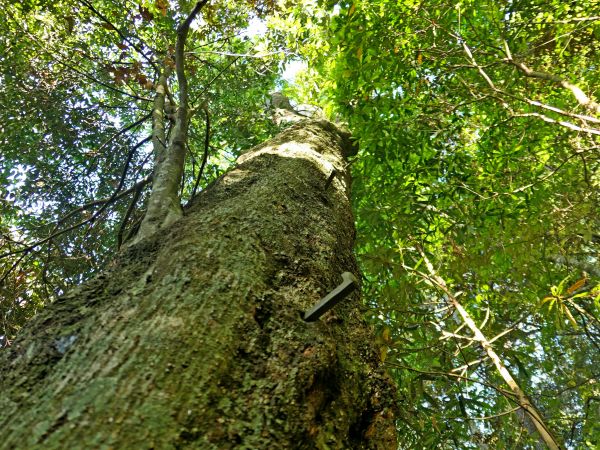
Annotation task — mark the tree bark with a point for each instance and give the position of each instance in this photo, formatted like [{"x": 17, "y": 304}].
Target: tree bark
[{"x": 193, "y": 337}]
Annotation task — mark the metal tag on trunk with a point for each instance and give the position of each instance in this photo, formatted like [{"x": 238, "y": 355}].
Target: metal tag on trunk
[{"x": 349, "y": 283}]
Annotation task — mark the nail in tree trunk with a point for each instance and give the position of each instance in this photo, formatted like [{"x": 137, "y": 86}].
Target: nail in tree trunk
[{"x": 193, "y": 338}]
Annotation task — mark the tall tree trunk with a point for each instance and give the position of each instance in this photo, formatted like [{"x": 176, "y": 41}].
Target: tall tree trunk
[{"x": 193, "y": 337}]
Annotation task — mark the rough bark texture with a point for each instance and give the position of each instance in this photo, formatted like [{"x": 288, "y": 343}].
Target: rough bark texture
[{"x": 193, "y": 338}]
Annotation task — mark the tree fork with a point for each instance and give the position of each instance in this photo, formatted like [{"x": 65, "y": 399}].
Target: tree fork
[
  {"x": 164, "y": 205},
  {"x": 193, "y": 337}
]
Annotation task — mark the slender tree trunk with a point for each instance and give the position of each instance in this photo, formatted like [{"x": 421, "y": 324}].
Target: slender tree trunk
[
  {"x": 164, "y": 205},
  {"x": 193, "y": 337},
  {"x": 529, "y": 409}
]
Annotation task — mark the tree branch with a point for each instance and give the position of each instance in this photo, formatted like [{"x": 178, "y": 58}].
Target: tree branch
[
  {"x": 569, "y": 125},
  {"x": 122, "y": 131},
  {"x": 545, "y": 118},
  {"x": 13, "y": 267},
  {"x": 119, "y": 32},
  {"x": 130, "y": 209},
  {"x": 123, "y": 176},
  {"x": 158, "y": 113},
  {"x": 577, "y": 92},
  {"x": 44, "y": 49},
  {"x": 101, "y": 83},
  {"x": 528, "y": 407},
  {"x": 208, "y": 85},
  {"x": 509, "y": 395},
  {"x": 182, "y": 33},
  {"x": 164, "y": 204},
  {"x": 206, "y": 148},
  {"x": 89, "y": 205}
]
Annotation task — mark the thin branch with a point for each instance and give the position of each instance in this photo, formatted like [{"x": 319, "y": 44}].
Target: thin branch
[
  {"x": 44, "y": 49},
  {"x": 468, "y": 364},
  {"x": 562, "y": 112},
  {"x": 101, "y": 83},
  {"x": 13, "y": 267},
  {"x": 128, "y": 213},
  {"x": 216, "y": 77},
  {"x": 569, "y": 125},
  {"x": 105, "y": 202},
  {"x": 239, "y": 55},
  {"x": 206, "y": 149},
  {"x": 119, "y": 32},
  {"x": 577, "y": 92},
  {"x": 582, "y": 311},
  {"x": 571, "y": 20},
  {"x": 503, "y": 392},
  {"x": 83, "y": 222},
  {"x": 493, "y": 416},
  {"x": 93, "y": 203},
  {"x": 498, "y": 336},
  {"x": 545, "y": 177},
  {"x": 448, "y": 335},
  {"x": 123, "y": 175},
  {"x": 122, "y": 131}
]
